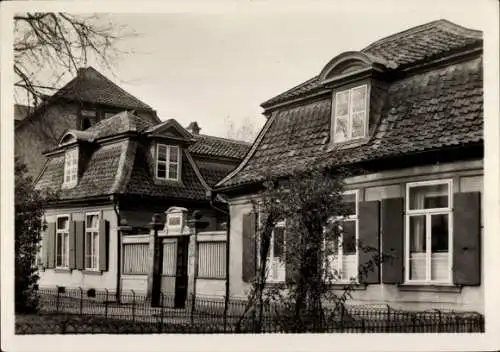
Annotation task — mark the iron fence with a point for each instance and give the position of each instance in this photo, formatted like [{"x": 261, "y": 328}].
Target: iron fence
[{"x": 80, "y": 311}]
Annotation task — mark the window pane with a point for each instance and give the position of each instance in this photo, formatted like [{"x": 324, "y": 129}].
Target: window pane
[
  {"x": 358, "y": 99},
  {"x": 349, "y": 201},
  {"x": 92, "y": 221},
  {"x": 342, "y": 104},
  {"x": 174, "y": 156},
  {"x": 279, "y": 241},
  {"x": 65, "y": 250},
  {"x": 349, "y": 267},
  {"x": 417, "y": 247},
  {"x": 59, "y": 250},
  {"x": 162, "y": 171},
  {"x": 62, "y": 223},
  {"x": 88, "y": 243},
  {"x": 162, "y": 153},
  {"x": 358, "y": 124},
  {"x": 426, "y": 197},
  {"x": 341, "y": 129},
  {"x": 439, "y": 257},
  {"x": 172, "y": 171},
  {"x": 349, "y": 237}
]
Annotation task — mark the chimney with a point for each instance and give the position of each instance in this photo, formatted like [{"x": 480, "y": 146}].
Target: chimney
[{"x": 193, "y": 128}]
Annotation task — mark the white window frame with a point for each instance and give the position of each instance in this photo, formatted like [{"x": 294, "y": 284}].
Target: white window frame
[
  {"x": 350, "y": 113},
  {"x": 167, "y": 162},
  {"x": 340, "y": 249},
  {"x": 427, "y": 213},
  {"x": 65, "y": 233},
  {"x": 270, "y": 260},
  {"x": 71, "y": 171},
  {"x": 93, "y": 238}
]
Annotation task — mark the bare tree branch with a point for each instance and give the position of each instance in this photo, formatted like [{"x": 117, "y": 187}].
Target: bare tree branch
[{"x": 59, "y": 43}]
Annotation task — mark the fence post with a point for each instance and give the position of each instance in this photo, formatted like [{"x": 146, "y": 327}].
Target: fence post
[
  {"x": 106, "y": 304},
  {"x": 440, "y": 325},
  {"x": 161, "y": 312},
  {"x": 193, "y": 306},
  {"x": 57, "y": 300},
  {"x": 133, "y": 305},
  {"x": 388, "y": 321},
  {"x": 226, "y": 305},
  {"x": 81, "y": 300}
]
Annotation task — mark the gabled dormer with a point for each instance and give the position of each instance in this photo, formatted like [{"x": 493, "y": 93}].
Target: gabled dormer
[
  {"x": 168, "y": 143},
  {"x": 356, "y": 80}
]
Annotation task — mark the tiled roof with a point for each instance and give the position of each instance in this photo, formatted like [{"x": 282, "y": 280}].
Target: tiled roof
[
  {"x": 213, "y": 173},
  {"x": 91, "y": 86},
  {"x": 410, "y": 47},
  {"x": 122, "y": 166},
  {"x": 216, "y": 146},
  {"x": 97, "y": 179},
  {"x": 125, "y": 121},
  {"x": 141, "y": 181},
  {"x": 426, "y": 111}
]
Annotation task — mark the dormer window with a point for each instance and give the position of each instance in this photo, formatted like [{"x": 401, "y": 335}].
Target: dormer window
[
  {"x": 71, "y": 168},
  {"x": 350, "y": 114},
  {"x": 167, "y": 162}
]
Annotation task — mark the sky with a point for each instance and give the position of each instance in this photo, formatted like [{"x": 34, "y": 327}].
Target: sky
[{"x": 217, "y": 68}]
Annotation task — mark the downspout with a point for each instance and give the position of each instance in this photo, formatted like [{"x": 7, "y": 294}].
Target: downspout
[
  {"x": 226, "y": 296},
  {"x": 119, "y": 247}
]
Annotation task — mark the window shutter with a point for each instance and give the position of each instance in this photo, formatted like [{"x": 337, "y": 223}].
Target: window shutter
[
  {"x": 467, "y": 239},
  {"x": 392, "y": 240},
  {"x": 71, "y": 245},
  {"x": 103, "y": 244},
  {"x": 369, "y": 237},
  {"x": 249, "y": 248},
  {"x": 79, "y": 244},
  {"x": 50, "y": 246}
]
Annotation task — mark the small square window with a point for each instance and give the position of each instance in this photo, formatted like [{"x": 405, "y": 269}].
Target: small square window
[
  {"x": 350, "y": 117},
  {"x": 71, "y": 168},
  {"x": 167, "y": 162}
]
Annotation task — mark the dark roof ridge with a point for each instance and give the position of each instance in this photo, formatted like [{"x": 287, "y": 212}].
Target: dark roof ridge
[{"x": 416, "y": 29}]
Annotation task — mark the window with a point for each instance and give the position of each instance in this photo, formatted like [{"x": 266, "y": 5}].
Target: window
[
  {"x": 62, "y": 242},
  {"x": 275, "y": 263},
  {"x": 212, "y": 260},
  {"x": 167, "y": 162},
  {"x": 350, "y": 114},
  {"x": 91, "y": 241},
  {"x": 342, "y": 256},
  {"x": 135, "y": 258},
  {"x": 428, "y": 232},
  {"x": 71, "y": 168}
]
